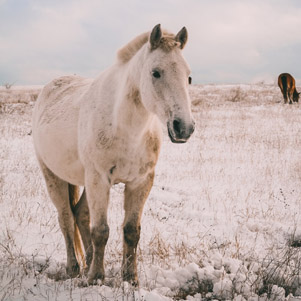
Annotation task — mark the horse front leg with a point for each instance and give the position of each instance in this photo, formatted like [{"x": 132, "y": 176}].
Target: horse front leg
[
  {"x": 97, "y": 190},
  {"x": 290, "y": 97},
  {"x": 135, "y": 197}
]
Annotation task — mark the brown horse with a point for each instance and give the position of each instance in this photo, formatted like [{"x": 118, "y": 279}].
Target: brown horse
[{"x": 287, "y": 86}]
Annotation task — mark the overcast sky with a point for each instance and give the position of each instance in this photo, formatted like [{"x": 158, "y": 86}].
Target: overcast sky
[{"x": 233, "y": 41}]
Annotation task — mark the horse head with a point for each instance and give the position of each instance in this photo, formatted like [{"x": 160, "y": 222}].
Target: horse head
[
  {"x": 296, "y": 96},
  {"x": 164, "y": 83}
]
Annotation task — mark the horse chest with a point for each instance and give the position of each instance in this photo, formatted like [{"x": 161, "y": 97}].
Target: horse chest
[{"x": 127, "y": 163}]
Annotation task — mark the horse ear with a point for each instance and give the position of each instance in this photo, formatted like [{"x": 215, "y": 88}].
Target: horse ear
[
  {"x": 182, "y": 37},
  {"x": 155, "y": 37}
]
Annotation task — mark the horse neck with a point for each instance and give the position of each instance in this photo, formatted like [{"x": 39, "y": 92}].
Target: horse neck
[
  {"x": 130, "y": 113},
  {"x": 295, "y": 92}
]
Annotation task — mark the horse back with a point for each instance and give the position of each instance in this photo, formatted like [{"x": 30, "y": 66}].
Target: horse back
[
  {"x": 63, "y": 89},
  {"x": 55, "y": 124}
]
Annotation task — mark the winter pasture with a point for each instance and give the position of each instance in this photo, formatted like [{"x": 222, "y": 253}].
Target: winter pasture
[{"x": 222, "y": 222}]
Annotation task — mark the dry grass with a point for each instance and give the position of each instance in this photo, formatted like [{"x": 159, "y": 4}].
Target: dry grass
[
  {"x": 11, "y": 97},
  {"x": 234, "y": 185}
]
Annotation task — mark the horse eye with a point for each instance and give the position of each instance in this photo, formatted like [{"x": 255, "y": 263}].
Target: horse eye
[
  {"x": 156, "y": 74},
  {"x": 189, "y": 80}
]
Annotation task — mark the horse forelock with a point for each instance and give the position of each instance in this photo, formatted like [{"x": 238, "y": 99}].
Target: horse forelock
[{"x": 167, "y": 43}]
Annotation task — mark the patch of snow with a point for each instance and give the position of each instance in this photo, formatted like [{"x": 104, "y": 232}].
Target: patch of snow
[{"x": 218, "y": 224}]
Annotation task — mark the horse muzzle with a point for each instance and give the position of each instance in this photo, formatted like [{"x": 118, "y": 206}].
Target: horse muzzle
[{"x": 179, "y": 131}]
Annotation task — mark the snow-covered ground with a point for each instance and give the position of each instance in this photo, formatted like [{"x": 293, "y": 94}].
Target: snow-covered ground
[{"x": 222, "y": 222}]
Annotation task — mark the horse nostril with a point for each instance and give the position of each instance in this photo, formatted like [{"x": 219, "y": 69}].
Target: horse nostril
[
  {"x": 179, "y": 131},
  {"x": 177, "y": 126}
]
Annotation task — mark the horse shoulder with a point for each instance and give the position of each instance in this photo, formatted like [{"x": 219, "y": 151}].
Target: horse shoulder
[
  {"x": 151, "y": 152},
  {"x": 153, "y": 143}
]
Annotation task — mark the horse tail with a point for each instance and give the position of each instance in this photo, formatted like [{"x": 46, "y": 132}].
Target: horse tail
[
  {"x": 74, "y": 195},
  {"x": 284, "y": 86}
]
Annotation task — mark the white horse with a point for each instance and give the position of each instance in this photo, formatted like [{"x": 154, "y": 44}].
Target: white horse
[{"x": 96, "y": 133}]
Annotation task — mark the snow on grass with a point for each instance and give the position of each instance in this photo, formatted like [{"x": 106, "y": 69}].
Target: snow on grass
[
  {"x": 222, "y": 221},
  {"x": 18, "y": 94}
]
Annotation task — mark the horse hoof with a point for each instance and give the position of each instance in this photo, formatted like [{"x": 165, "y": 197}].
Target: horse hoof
[
  {"x": 96, "y": 278},
  {"x": 98, "y": 282},
  {"x": 134, "y": 283},
  {"x": 132, "y": 279}
]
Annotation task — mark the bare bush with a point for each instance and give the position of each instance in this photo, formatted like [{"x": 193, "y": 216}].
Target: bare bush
[
  {"x": 7, "y": 86},
  {"x": 236, "y": 95}
]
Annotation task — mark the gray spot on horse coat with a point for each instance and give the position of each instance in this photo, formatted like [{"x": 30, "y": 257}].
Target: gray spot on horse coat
[
  {"x": 112, "y": 169},
  {"x": 103, "y": 140}
]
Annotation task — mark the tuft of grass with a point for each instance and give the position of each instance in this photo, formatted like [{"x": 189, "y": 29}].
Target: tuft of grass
[
  {"x": 160, "y": 249},
  {"x": 194, "y": 286},
  {"x": 236, "y": 95},
  {"x": 283, "y": 271}
]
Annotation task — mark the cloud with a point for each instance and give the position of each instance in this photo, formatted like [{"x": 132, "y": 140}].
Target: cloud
[
  {"x": 228, "y": 40},
  {"x": 241, "y": 34}
]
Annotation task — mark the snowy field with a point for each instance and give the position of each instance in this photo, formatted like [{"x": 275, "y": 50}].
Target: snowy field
[{"x": 222, "y": 222}]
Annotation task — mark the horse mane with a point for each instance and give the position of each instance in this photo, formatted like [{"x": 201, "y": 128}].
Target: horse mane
[{"x": 125, "y": 54}]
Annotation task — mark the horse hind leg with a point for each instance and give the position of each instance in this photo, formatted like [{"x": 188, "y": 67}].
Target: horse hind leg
[
  {"x": 82, "y": 217},
  {"x": 285, "y": 95},
  {"x": 284, "y": 88},
  {"x": 290, "y": 96},
  {"x": 58, "y": 191}
]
